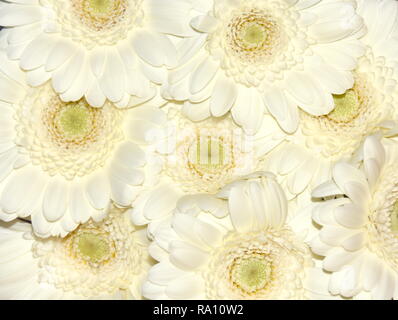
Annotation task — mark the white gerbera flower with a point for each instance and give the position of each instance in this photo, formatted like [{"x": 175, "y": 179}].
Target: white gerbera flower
[
  {"x": 368, "y": 107},
  {"x": 360, "y": 223},
  {"x": 196, "y": 158},
  {"x": 248, "y": 247},
  {"x": 105, "y": 260},
  {"x": 98, "y": 49},
  {"x": 249, "y": 55},
  {"x": 61, "y": 163}
]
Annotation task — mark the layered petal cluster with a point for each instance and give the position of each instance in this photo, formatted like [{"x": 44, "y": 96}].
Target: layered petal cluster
[
  {"x": 195, "y": 158},
  {"x": 369, "y": 106},
  {"x": 250, "y": 56},
  {"x": 99, "y": 260},
  {"x": 246, "y": 246},
  {"x": 99, "y": 50},
  {"x": 61, "y": 162},
  {"x": 199, "y": 149},
  {"x": 359, "y": 224}
]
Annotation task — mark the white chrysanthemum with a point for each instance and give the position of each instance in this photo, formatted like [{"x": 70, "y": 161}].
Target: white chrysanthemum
[
  {"x": 248, "y": 247},
  {"x": 359, "y": 219},
  {"x": 105, "y": 260},
  {"x": 366, "y": 108},
  {"x": 248, "y": 55},
  {"x": 108, "y": 49},
  {"x": 198, "y": 157},
  {"x": 62, "y": 162}
]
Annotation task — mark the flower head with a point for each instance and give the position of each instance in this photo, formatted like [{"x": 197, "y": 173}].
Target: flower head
[
  {"x": 358, "y": 237},
  {"x": 279, "y": 55},
  {"x": 366, "y": 108},
  {"x": 244, "y": 248},
  {"x": 105, "y": 260},
  {"x": 197, "y": 157},
  {"x": 62, "y": 162},
  {"x": 97, "y": 49}
]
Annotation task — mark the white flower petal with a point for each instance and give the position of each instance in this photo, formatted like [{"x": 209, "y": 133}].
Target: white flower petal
[
  {"x": 186, "y": 256},
  {"x": 153, "y": 291},
  {"x": 203, "y": 74},
  {"x": 113, "y": 79},
  {"x": 206, "y": 23},
  {"x": 196, "y": 111},
  {"x": 37, "y": 52},
  {"x": 55, "y": 199},
  {"x": 79, "y": 207},
  {"x": 248, "y": 110},
  {"x": 163, "y": 273},
  {"x": 161, "y": 202},
  {"x": 62, "y": 79},
  {"x": 240, "y": 210},
  {"x": 223, "y": 97},
  {"x": 12, "y": 15},
  {"x": 98, "y": 191},
  {"x": 196, "y": 231},
  {"x": 282, "y": 108},
  {"x": 188, "y": 287},
  {"x": 338, "y": 258},
  {"x": 18, "y": 187},
  {"x": 350, "y": 215},
  {"x": 61, "y": 52}
]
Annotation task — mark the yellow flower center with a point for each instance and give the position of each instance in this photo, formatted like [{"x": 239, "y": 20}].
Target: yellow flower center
[
  {"x": 347, "y": 107},
  {"x": 72, "y": 124},
  {"x": 207, "y": 155},
  {"x": 394, "y": 218},
  {"x": 100, "y": 6},
  {"x": 251, "y": 273},
  {"x": 100, "y": 14},
  {"x": 74, "y": 120},
  {"x": 92, "y": 246},
  {"x": 253, "y": 33}
]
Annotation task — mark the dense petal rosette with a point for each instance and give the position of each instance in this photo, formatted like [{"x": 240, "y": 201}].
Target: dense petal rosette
[
  {"x": 358, "y": 219},
  {"x": 368, "y": 107},
  {"x": 61, "y": 162},
  {"x": 287, "y": 51},
  {"x": 99, "y": 260},
  {"x": 247, "y": 247},
  {"x": 197, "y": 157},
  {"x": 108, "y": 49}
]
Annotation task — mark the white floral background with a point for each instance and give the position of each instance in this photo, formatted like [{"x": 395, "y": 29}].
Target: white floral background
[{"x": 199, "y": 149}]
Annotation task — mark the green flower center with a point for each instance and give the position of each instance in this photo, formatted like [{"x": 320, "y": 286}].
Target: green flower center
[
  {"x": 251, "y": 274},
  {"x": 253, "y": 34},
  {"x": 100, "y": 15},
  {"x": 101, "y": 6},
  {"x": 74, "y": 121},
  {"x": 93, "y": 247},
  {"x": 207, "y": 155},
  {"x": 74, "y": 124},
  {"x": 347, "y": 107},
  {"x": 394, "y": 218}
]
